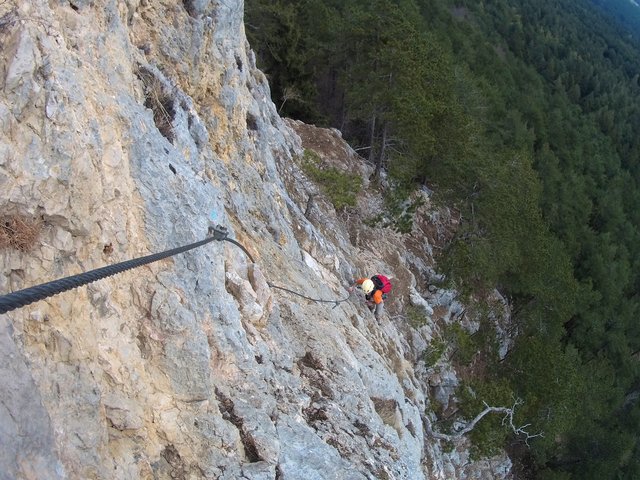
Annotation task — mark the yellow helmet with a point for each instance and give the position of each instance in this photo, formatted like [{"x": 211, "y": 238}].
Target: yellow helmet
[{"x": 367, "y": 286}]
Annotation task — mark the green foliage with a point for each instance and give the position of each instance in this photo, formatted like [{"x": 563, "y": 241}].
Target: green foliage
[
  {"x": 399, "y": 210},
  {"x": 375, "y": 221},
  {"x": 416, "y": 316},
  {"x": 463, "y": 344},
  {"x": 406, "y": 213},
  {"x": 623, "y": 11},
  {"x": 433, "y": 353},
  {"x": 548, "y": 380},
  {"x": 341, "y": 187},
  {"x": 553, "y": 475},
  {"x": 490, "y": 434},
  {"x": 284, "y": 51}
]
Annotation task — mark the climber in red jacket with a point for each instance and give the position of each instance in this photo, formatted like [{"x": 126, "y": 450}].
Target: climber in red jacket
[{"x": 375, "y": 290}]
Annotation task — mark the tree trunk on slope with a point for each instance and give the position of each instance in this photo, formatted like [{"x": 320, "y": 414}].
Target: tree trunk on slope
[
  {"x": 380, "y": 157},
  {"x": 372, "y": 139}
]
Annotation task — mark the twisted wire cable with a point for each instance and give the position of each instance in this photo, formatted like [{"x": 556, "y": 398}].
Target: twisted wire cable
[{"x": 29, "y": 295}]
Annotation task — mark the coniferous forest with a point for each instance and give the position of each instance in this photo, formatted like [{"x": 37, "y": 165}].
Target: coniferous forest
[{"x": 524, "y": 114}]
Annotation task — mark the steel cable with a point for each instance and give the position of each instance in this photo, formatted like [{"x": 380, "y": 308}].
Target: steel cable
[
  {"x": 337, "y": 302},
  {"x": 30, "y": 295}
]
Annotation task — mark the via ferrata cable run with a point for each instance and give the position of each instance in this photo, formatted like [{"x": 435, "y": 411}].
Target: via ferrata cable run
[{"x": 26, "y": 296}]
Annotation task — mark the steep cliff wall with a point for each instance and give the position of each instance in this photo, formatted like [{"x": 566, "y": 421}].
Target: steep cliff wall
[{"x": 126, "y": 127}]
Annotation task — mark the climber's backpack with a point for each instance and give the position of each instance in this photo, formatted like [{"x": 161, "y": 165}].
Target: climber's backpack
[{"x": 381, "y": 283}]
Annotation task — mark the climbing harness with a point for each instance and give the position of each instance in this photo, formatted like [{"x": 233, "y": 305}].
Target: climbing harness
[{"x": 30, "y": 295}]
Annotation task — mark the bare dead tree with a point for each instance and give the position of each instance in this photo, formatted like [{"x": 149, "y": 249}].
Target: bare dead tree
[
  {"x": 290, "y": 93},
  {"x": 507, "y": 420}
]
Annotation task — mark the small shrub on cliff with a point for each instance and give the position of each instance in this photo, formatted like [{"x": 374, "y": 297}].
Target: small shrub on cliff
[
  {"x": 341, "y": 187},
  {"x": 400, "y": 210},
  {"x": 434, "y": 352},
  {"x": 160, "y": 101},
  {"x": 465, "y": 345},
  {"x": 416, "y": 316},
  {"x": 19, "y": 232}
]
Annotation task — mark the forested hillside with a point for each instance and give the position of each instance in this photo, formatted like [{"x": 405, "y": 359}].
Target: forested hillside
[
  {"x": 624, "y": 12},
  {"x": 524, "y": 114}
]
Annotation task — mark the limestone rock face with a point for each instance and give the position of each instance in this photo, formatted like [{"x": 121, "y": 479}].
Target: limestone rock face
[{"x": 127, "y": 127}]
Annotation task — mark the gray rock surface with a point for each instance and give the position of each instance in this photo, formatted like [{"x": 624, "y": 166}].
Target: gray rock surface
[{"x": 27, "y": 446}]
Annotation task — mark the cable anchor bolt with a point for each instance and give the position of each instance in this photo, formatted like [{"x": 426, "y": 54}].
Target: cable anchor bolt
[{"x": 218, "y": 232}]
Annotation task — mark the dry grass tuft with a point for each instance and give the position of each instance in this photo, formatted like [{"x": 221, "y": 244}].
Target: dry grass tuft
[
  {"x": 19, "y": 232},
  {"x": 160, "y": 101}
]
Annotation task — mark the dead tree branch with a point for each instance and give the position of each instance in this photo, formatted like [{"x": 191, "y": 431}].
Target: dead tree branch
[{"x": 507, "y": 420}]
